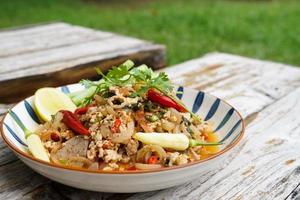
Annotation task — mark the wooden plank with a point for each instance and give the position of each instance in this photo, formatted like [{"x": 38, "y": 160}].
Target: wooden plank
[
  {"x": 251, "y": 97},
  {"x": 51, "y": 66},
  {"x": 48, "y": 40},
  {"x": 45, "y": 55},
  {"x": 295, "y": 194},
  {"x": 237, "y": 79},
  {"x": 31, "y": 30},
  {"x": 6, "y": 155},
  {"x": 42, "y": 60},
  {"x": 150, "y": 55},
  {"x": 245, "y": 83},
  {"x": 17, "y": 180},
  {"x": 265, "y": 166}
]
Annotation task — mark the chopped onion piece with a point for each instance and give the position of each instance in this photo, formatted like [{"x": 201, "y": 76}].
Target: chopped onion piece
[
  {"x": 125, "y": 134},
  {"x": 143, "y": 153},
  {"x": 147, "y": 166}
]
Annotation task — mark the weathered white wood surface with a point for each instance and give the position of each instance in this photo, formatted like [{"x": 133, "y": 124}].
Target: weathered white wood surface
[
  {"x": 21, "y": 41},
  {"x": 248, "y": 84},
  {"x": 59, "y": 53},
  {"x": 266, "y": 164},
  {"x": 295, "y": 194}
]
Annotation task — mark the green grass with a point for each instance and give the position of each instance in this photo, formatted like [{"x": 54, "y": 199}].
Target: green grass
[{"x": 189, "y": 28}]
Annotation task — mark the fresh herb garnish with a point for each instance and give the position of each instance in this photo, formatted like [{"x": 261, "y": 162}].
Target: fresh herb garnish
[
  {"x": 147, "y": 79},
  {"x": 125, "y": 75},
  {"x": 117, "y": 76}
]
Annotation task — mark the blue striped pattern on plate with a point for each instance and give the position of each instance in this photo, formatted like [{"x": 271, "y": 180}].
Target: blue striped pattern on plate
[{"x": 224, "y": 118}]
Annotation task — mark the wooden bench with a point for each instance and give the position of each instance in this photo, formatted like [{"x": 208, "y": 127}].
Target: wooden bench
[
  {"x": 59, "y": 53},
  {"x": 266, "y": 163}
]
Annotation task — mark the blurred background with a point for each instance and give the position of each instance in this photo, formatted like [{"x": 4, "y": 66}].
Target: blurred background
[{"x": 264, "y": 29}]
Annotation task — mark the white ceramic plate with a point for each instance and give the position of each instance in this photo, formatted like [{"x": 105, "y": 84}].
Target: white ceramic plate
[{"x": 227, "y": 122}]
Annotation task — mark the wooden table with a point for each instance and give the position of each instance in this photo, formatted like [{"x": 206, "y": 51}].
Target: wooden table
[
  {"x": 265, "y": 165},
  {"x": 58, "y": 53}
]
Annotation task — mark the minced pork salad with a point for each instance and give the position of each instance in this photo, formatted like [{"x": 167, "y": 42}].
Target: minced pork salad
[{"x": 131, "y": 119}]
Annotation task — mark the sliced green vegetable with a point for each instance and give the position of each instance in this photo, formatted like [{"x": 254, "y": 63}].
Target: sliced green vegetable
[
  {"x": 194, "y": 143},
  {"x": 34, "y": 142},
  {"x": 62, "y": 161},
  {"x": 176, "y": 141},
  {"x": 152, "y": 118},
  {"x": 79, "y": 97},
  {"x": 36, "y": 147}
]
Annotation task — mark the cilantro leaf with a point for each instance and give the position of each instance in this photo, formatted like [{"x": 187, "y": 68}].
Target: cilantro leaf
[{"x": 126, "y": 75}]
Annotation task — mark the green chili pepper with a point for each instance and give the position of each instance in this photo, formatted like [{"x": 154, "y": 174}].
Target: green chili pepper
[{"x": 152, "y": 118}]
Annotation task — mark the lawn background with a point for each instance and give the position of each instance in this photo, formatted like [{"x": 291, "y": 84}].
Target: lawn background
[{"x": 189, "y": 28}]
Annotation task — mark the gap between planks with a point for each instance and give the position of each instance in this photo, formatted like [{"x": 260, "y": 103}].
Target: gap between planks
[
  {"x": 295, "y": 194},
  {"x": 266, "y": 165},
  {"x": 244, "y": 76}
]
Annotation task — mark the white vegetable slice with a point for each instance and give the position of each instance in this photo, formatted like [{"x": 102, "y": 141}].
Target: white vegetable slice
[
  {"x": 36, "y": 147},
  {"x": 147, "y": 166},
  {"x": 34, "y": 142},
  {"x": 176, "y": 141}
]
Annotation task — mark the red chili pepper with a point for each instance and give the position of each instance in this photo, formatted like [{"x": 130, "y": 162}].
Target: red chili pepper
[
  {"x": 153, "y": 160},
  {"x": 115, "y": 127},
  {"x": 83, "y": 110},
  {"x": 73, "y": 122},
  {"x": 164, "y": 100},
  {"x": 55, "y": 137},
  {"x": 131, "y": 168}
]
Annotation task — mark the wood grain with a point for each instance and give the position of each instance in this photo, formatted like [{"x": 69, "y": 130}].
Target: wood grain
[
  {"x": 50, "y": 38},
  {"x": 23, "y": 87},
  {"x": 59, "y": 53},
  {"x": 19, "y": 63},
  {"x": 265, "y": 165},
  {"x": 295, "y": 194},
  {"x": 31, "y": 30},
  {"x": 248, "y": 84}
]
